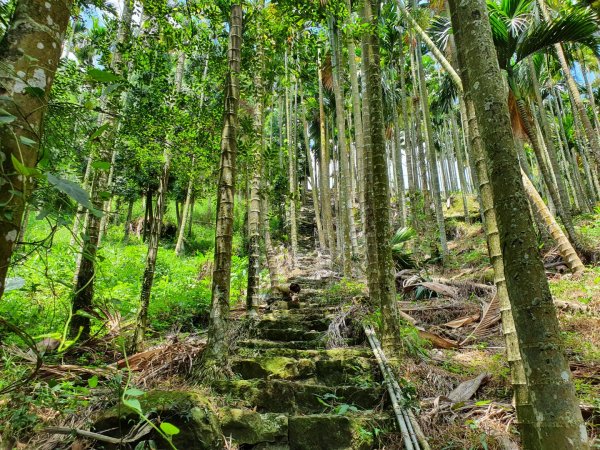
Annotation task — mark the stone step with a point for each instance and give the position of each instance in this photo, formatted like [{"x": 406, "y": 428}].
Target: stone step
[
  {"x": 283, "y": 396},
  {"x": 349, "y": 431},
  {"x": 326, "y": 370},
  {"x": 341, "y": 353},
  {"x": 313, "y": 322},
  {"x": 259, "y": 344},
  {"x": 288, "y": 334}
]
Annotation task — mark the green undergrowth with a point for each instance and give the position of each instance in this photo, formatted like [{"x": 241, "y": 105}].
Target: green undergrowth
[{"x": 180, "y": 294}]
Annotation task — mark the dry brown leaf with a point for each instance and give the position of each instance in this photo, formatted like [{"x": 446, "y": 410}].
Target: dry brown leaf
[
  {"x": 440, "y": 289},
  {"x": 461, "y": 322},
  {"x": 467, "y": 389},
  {"x": 437, "y": 341}
]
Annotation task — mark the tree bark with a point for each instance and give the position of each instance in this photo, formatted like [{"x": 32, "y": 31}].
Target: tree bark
[
  {"x": 431, "y": 155},
  {"x": 216, "y": 348},
  {"x": 381, "y": 280},
  {"x": 554, "y": 424},
  {"x": 179, "y": 246},
  {"x": 29, "y": 55},
  {"x": 324, "y": 177}
]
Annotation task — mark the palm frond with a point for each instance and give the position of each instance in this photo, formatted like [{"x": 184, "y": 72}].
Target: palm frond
[
  {"x": 576, "y": 26},
  {"x": 403, "y": 235},
  {"x": 440, "y": 30}
]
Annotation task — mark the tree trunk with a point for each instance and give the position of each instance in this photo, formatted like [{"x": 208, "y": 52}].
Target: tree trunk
[
  {"x": 293, "y": 190},
  {"x": 399, "y": 167},
  {"x": 433, "y": 169},
  {"x": 254, "y": 203},
  {"x": 154, "y": 240},
  {"x": 590, "y": 133},
  {"x": 128, "y": 220},
  {"x": 356, "y": 112},
  {"x": 216, "y": 348},
  {"x": 191, "y": 220},
  {"x": 461, "y": 167},
  {"x": 345, "y": 203},
  {"x": 565, "y": 248},
  {"x": 314, "y": 191},
  {"x": 381, "y": 280},
  {"x": 554, "y": 424},
  {"x": 29, "y": 55},
  {"x": 513, "y": 353},
  {"x": 179, "y": 247},
  {"x": 324, "y": 173}
]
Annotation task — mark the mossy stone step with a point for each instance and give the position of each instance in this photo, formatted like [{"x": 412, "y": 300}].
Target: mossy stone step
[
  {"x": 321, "y": 370},
  {"x": 269, "y": 344},
  {"x": 283, "y": 396},
  {"x": 335, "y": 431},
  {"x": 306, "y": 323},
  {"x": 249, "y": 427},
  {"x": 288, "y": 334},
  {"x": 334, "y": 353}
]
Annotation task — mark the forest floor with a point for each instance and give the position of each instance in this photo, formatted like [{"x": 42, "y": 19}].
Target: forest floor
[{"x": 72, "y": 389}]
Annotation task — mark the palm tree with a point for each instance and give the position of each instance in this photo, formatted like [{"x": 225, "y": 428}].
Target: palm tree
[
  {"x": 550, "y": 424},
  {"x": 516, "y": 38}
]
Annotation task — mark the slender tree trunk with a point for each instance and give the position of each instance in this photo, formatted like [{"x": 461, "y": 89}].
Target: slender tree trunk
[
  {"x": 461, "y": 167},
  {"x": 29, "y": 54},
  {"x": 293, "y": 189},
  {"x": 128, "y": 220},
  {"x": 565, "y": 248},
  {"x": 345, "y": 203},
  {"x": 399, "y": 167},
  {"x": 154, "y": 238},
  {"x": 314, "y": 190},
  {"x": 216, "y": 349},
  {"x": 179, "y": 247},
  {"x": 191, "y": 220},
  {"x": 553, "y": 424},
  {"x": 590, "y": 133},
  {"x": 381, "y": 277},
  {"x": 356, "y": 111},
  {"x": 254, "y": 203},
  {"x": 433, "y": 169},
  {"x": 324, "y": 173}
]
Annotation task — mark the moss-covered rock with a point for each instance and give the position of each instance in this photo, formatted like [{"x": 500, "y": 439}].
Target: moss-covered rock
[
  {"x": 249, "y": 427},
  {"x": 190, "y": 411},
  {"x": 283, "y": 396}
]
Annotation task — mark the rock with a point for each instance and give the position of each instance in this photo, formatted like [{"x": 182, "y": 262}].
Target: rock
[
  {"x": 249, "y": 427},
  {"x": 190, "y": 411}
]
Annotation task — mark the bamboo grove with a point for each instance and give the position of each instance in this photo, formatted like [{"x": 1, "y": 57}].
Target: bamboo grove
[{"x": 377, "y": 114}]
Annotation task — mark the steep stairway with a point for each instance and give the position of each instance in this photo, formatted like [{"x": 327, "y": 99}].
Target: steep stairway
[{"x": 292, "y": 393}]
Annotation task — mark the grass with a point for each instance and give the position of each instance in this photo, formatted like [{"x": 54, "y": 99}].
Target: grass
[{"x": 179, "y": 296}]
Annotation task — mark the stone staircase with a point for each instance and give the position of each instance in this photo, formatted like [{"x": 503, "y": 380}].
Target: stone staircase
[{"x": 291, "y": 393}]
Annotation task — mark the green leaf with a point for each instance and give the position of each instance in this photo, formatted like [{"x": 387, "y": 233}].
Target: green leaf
[
  {"x": 133, "y": 392},
  {"x": 102, "y": 76},
  {"x": 93, "y": 382},
  {"x": 101, "y": 165},
  {"x": 23, "y": 169},
  {"x": 169, "y": 428},
  {"x": 6, "y": 117},
  {"x": 101, "y": 129},
  {"x": 73, "y": 190},
  {"x": 35, "y": 91},
  {"x": 133, "y": 403},
  {"x": 26, "y": 141},
  {"x": 343, "y": 409}
]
